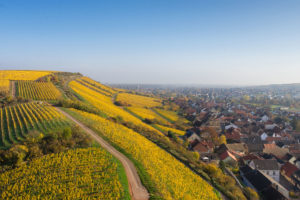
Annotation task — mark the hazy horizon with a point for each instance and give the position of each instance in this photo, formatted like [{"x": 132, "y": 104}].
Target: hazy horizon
[{"x": 228, "y": 43}]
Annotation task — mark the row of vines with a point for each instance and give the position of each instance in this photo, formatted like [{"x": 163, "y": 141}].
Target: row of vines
[{"x": 18, "y": 120}]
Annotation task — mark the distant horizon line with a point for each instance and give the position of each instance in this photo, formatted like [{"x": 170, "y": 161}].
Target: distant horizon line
[{"x": 167, "y": 84}]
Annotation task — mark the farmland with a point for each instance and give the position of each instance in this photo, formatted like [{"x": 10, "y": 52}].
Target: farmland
[
  {"x": 160, "y": 166},
  {"x": 89, "y": 173},
  {"x": 37, "y": 90},
  {"x": 18, "y": 120},
  {"x": 7, "y": 75},
  {"x": 137, "y": 100}
]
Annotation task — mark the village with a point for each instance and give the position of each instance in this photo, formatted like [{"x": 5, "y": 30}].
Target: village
[{"x": 261, "y": 146}]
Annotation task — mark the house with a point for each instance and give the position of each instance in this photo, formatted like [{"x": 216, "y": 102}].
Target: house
[
  {"x": 266, "y": 187},
  {"x": 263, "y": 136},
  {"x": 237, "y": 147},
  {"x": 287, "y": 170},
  {"x": 273, "y": 149},
  {"x": 203, "y": 147},
  {"x": 192, "y": 136},
  {"x": 296, "y": 179},
  {"x": 228, "y": 158},
  {"x": 268, "y": 167},
  {"x": 255, "y": 148}
]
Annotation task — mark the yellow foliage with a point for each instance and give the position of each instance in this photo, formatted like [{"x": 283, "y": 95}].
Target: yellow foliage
[
  {"x": 172, "y": 178},
  {"x": 6, "y": 75},
  {"x": 99, "y": 85},
  {"x": 147, "y": 113},
  {"x": 37, "y": 90},
  {"x": 22, "y": 75},
  {"x": 171, "y": 115},
  {"x": 76, "y": 174},
  {"x": 138, "y": 100},
  {"x": 166, "y": 129},
  {"x": 104, "y": 104}
]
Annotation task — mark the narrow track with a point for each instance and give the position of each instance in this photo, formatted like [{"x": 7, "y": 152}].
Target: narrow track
[
  {"x": 13, "y": 88},
  {"x": 137, "y": 190}
]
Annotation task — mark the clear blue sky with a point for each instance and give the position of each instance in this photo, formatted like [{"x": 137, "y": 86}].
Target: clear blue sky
[{"x": 232, "y": 42}]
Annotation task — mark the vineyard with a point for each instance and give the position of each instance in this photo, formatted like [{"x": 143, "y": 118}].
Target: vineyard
[
  {"x": 167, "y": 129},
  {"x": 170, "y": 115},
  {"x": 4, "y": 85},
  {"x": 138, "y": 100},
  {"x": 7, "y": 75},
  {"x": 102, "y": 87},
  {"x": 76, "y": 174},
  {"x": 18, "y": 120},
  {"x": 145, "y": 113},
  {"x": 106, "y": 106},
  {"x": 172, "y": 179},
  {"x": 37, "y": 90}
]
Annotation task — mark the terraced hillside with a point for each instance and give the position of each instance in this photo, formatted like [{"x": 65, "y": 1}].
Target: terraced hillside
[
  {"x": 19, "y": 119},
  {"x": 76, "y": 174}
]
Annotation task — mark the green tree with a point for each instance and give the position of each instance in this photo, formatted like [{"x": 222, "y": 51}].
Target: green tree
[{"x": 67, "y": 133}]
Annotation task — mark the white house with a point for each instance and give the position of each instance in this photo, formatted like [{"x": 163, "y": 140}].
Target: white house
[
  {"x": 263, "y": 136},
  {"x": 265, "y": 118},
  {"x": 268, "y": 167}
]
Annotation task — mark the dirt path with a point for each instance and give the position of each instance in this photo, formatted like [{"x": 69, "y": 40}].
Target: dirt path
[
  {"x": 137, "y": 190},
  {"x": 13, "y": 88}
]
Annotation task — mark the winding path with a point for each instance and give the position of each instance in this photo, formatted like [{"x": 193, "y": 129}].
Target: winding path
[{"x": 137, "y": 190}]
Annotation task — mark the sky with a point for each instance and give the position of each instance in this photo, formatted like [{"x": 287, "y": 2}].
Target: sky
[{"x": 211, "y": 42}]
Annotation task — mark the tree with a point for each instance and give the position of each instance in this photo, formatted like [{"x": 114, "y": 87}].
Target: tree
[
  {"x": 67, "y": 133},
  {"x": 223, "y": 139},
  {"x": 251, "y": 194},
  {"x": 196, "y": 155}
]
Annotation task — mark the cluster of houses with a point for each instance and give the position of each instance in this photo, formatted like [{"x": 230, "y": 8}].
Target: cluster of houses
[{"x": 260, "y": 142}]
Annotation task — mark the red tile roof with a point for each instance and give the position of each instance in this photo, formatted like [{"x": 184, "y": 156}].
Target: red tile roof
[
  {"x": 289, "y": 169},
  {"x": 227, "y": 154}
]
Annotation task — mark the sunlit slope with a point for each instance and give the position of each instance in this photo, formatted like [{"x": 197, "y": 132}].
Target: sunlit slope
[
  {"x": 105, "y": 105},
  {"x": 76, "y": 174},
  {"x": 172, "y": 179},
  {"x": 37, "y": 90},
  {"x": 7, "y": 75},
  {"x": 145, "y": 113},
  {"x": 103, "y": 88},
  {"x": 137, "y": 100},
  {"x": 170, "y": 115},
  {"x": 167, "y": 129},
  {"x": 18, "y": 120}
]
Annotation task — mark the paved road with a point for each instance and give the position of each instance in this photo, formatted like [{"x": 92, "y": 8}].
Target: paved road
[{"x": 137, "y": 190}]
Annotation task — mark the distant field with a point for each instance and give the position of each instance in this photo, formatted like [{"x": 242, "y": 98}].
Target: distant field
[
  {"x": 7, "y": 75},
  {"x": 18, "y": 120},
  {"x": 138, "y": 100},
  {"x": 37, "y": 90},
  {"x": 76, "y": 174}
]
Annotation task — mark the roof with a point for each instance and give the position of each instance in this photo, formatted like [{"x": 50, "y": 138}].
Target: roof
[
  {"x": 275, "y": 150},
  {"x": 289, "y": 169},
  {"x": 200, "y": 147},
  {"x": 241, "y": 147},
  {"x": 261, "y": 183},
  {"x": 255, "y": 147},
  {"x": 227, "y": 154},
  {"x": 266, "y": 164}
]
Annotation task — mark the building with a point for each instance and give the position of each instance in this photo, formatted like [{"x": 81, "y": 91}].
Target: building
[{"x": 268, "y": 167}]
